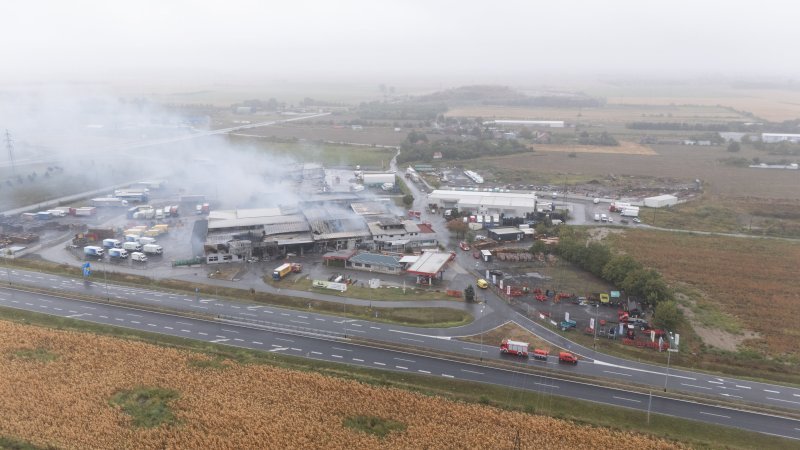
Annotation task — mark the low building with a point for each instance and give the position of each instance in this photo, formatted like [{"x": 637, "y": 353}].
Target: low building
[
  {"x": 529, "y": 123},
  {"x": 773, "y": 138},
  {"x": 506, "y": 234},
  {"x": 374, "y": 262},
  {"x": 429, "y": 266},
  {"x": 399, "y": 235},
  {"x": 507, "y": 204},
  {"x": 660, "y": 201}
]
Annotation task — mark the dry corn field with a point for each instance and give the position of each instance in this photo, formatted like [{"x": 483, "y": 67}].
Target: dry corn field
[{"x": 65, "y": 403}]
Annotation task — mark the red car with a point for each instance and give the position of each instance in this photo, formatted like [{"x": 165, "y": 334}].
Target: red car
[{"x": 464, "y": 246}]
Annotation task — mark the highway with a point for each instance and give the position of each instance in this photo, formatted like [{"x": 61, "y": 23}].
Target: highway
[
  {"x": 332, "y": 347},
  {"x": 496, "y": 313}
]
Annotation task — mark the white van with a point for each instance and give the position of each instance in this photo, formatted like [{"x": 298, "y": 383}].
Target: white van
[
  {"x": 597, "y": 217},
  {"x": 603, "y": 218},
  {"x": 137, "y": 256}
]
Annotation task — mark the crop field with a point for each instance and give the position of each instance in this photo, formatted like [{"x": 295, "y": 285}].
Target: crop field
[
  {"x": 333, "y": 133},
  {"x": 773, "y": 104},
  {"x": 752, "y": 282},
  {"x": 610, "y": 114},
  {"x": 672, "y": 161},
  {"x": 102, "y": 392},
  {"x": 624, "y": 148}
]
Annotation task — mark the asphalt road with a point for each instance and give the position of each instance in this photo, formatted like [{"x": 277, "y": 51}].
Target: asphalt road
[
  {"x": 331, "y": 347},
  {"x": 494, "y": 313}
]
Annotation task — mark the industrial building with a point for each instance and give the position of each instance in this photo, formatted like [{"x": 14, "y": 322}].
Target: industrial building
[
  {"x": 773, "y": 138},
  {"x": 398, "y": 235},
  {"x": 506, "y": 203},
  {"x": 661, "y": 201},
  {"x": 529, "y": 123},
  {"x": 374, "y": 262},
  {"x": 506, "y": 234}
]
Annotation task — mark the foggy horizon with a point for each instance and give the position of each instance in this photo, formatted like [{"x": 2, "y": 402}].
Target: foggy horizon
[{"x": 190, "y": 43}]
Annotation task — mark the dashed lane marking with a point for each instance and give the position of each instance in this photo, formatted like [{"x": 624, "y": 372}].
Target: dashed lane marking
[
  {"x": 359, "y": 360},
  {"x": 422, "y": 371},
  {"x": 448, "y": 376},
  {"x": 716, "y": 415},
  {"x": 378, "y": 363},
  {"x": 402, "y": 367},
  {"x": 627, "y": 399},
  {"x": 337, "y": 356}
]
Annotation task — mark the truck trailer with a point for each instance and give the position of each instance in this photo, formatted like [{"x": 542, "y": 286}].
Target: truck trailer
[
  {"x": 281, "y": 271},
  {"x": 633, "y": 211},
  {"x": 117, "y": 253},
  {"x": 153, "y": 249},
  {"x": 514, "y": 348},
  {"x": 112, "y": 243}
]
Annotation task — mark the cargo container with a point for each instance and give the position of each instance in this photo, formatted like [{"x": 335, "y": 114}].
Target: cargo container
[
  {"x": 86, "y": 211},
  {"x": 43, "y": 215},
  {"x": 630, "y": 212},
  {"x": 514, "y": 348},
  {"x": 108, "y": 201},
  {"x": 131, "y": 238},
  {"x": 57, "y": 212}
]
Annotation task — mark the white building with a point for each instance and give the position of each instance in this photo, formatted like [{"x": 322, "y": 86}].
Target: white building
[
  {"x": 530, "y": 123},
  {"x": 660, "y": 201},
  {"x": 772, "y": 138},
  {"x": 378, "y": 179},
  {"x": 507, "y": 203}
]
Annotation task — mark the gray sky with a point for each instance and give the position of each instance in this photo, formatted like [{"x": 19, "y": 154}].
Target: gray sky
[{"x": 202, "y": 41}]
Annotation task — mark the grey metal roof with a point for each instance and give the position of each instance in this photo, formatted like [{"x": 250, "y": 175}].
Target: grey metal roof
[{"x": 376, "y": 259}]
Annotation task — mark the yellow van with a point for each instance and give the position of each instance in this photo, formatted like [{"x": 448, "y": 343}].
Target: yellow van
[{"x": 483, "y": 284}]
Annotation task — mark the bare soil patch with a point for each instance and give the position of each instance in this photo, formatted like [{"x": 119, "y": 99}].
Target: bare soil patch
[{"x": 624, "y": 148}]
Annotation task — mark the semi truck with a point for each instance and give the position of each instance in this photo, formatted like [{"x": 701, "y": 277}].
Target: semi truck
[
  {"x": 153, "y": 249},
  {"x": 285, "y": 269},
  {"x": 514, "y": 348},
  {"x": 93, "y": 250},
  {"x": 117, "y": 253}
]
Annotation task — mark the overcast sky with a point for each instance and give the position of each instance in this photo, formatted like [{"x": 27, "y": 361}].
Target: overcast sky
[{"x": 202, "y": 41}]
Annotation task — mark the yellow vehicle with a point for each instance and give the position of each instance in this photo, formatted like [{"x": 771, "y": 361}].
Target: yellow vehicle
[{"x": 483, "y": 284}]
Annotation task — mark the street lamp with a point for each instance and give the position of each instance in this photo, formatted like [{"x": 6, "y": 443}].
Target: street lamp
[
  {"x": 666, "y": 377},
  {"x": 105, "y": 278},
  {"x": 596, "y": 309},
  {"x": 482, "y": 307}
]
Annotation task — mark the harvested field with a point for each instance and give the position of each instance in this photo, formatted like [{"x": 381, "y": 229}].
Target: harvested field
[
  {"x": 243, "y": 406},
  {"x": 753, "y": 280},
  {"x": 671, "y": 161},
  {"x": 624, "y": 148},
  {"x": 333, "y": 133},
  {"x": 610, "y": 114}
]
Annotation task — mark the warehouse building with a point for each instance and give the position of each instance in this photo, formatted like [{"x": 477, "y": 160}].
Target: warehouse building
[
  {"x": 773, "y": 138},
  {"x": 374, "y": 262},
  {"x": 661, "y": 201},
  {"x": 506, "y": 203}
]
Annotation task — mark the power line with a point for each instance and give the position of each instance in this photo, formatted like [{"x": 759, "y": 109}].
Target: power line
[{"x": 10, "y": 147}]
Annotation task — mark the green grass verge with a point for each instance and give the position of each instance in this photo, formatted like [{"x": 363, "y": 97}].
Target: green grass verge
[
  {"x": 215, "y": 363},
  {"x": 420, "y": 317},
  {"x": 36, "y": 354},
  {"x": 382, "y": 294},
  {"x": 322, "y": 153},
  {"x": 373, "y": 425},
  {"x": 147, "y": 406},
  {"x": 692, "y": 433}
]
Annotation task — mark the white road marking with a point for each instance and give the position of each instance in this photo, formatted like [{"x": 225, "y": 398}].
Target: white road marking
[
  {"x": 222, "y": 337},
  {"x": 379, "y": 363},
  {"x": 134, "y": 321},
  {"x": 547, "y": 385},
  {"x": 448, "y": 376},
  {"x": 695, "y": 386},
  {"x": 627, "y": 399},
  {"x": 219, "y": 340},
  {"x": 406, "y": 360},
  {"x": 336, "y": 356},
  {"x": 284, "y": 314},
  {"x": 730, "y": 395},
  {"x": 302, "y": 317},
  {"x": 31, "y": 304},
  {"x": 782, "y": 400},
  {"x": 409, "y": 339},
  {"x": 182, "y": 323},
  {"x": 104, "y": 317},
  {"x": 230, "y": 331},
  {"x": 321, "y": 320},
  {"x": 342, "y": 349},
  {"x": 76, "y": 315},
  {"x": 186, "y": 331},
  {"x": 355, "y": 324},
  {"x": 121, "y": 320},
  {"x": 401, "y": 367},
  {"x": 316, "y": 353},
  {"x": 714, "y": 382},
  {"x": 712, "y": 414},
  {"x": 237, "y": 339},
  {"x": 57, "y": 309},
  {"x": 279, "y": 349},
  {"x": 472, "y": 371},
  {"x": 257, "y": 343},
  {"x": 618, "y": 373},
  {"x": 423, "y": 371},
  {"x": 235, "y": 307},
  {"x": 359, "y": 360},
  {"x": 284, "y": 340},
  {"x": 748, "y": 387},
  {"x": 771, "y": 392},
  {"x": 375, "y": 328},
  {"x": 168, "y": 328},
  {"x": 446, "y": 338},
  {"x": 151, "y": 325},
  {"x": 796, "y": 395},
  {"x": 202, "y": 334},
  {"x": 300, "y": 321},
  {"x": 603, "y": 363}
]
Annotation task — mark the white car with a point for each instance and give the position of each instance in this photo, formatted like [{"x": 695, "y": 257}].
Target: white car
[{"x": 637, "y": 220}]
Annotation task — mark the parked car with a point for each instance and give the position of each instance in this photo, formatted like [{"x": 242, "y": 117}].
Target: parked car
[{"x": 637, "y": 220}]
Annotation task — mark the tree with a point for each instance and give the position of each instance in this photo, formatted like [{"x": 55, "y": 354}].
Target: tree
[
  {"x": 408, "y": 200},
  {"x": 538, "y": 247},
  {"x": 526, "y": 133},
  {"x": 667, "y": 315},
  {"x": 469, "y": 294},
  {"x": 457, "y": 226},
  {"x": 734, "y": 147}
]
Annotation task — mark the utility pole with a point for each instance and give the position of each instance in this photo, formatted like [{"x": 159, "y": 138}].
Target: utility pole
[
  {"x": 10, "y": 147},
  {"x": 666, "y": 377},
  {"x": 482, "y": 306}
]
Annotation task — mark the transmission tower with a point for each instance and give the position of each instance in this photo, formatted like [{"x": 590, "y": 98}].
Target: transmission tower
[{"x": 10, "y": 147}]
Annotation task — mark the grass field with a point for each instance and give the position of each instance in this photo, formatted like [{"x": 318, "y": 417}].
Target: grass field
[
  {"x": 326, "y": 154},
  {"x": 208, "y": 410},
  {"x": 384, "y": 293},
  {"x": 750, "y": 282},
  {"x": 624, "y": 148}
]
